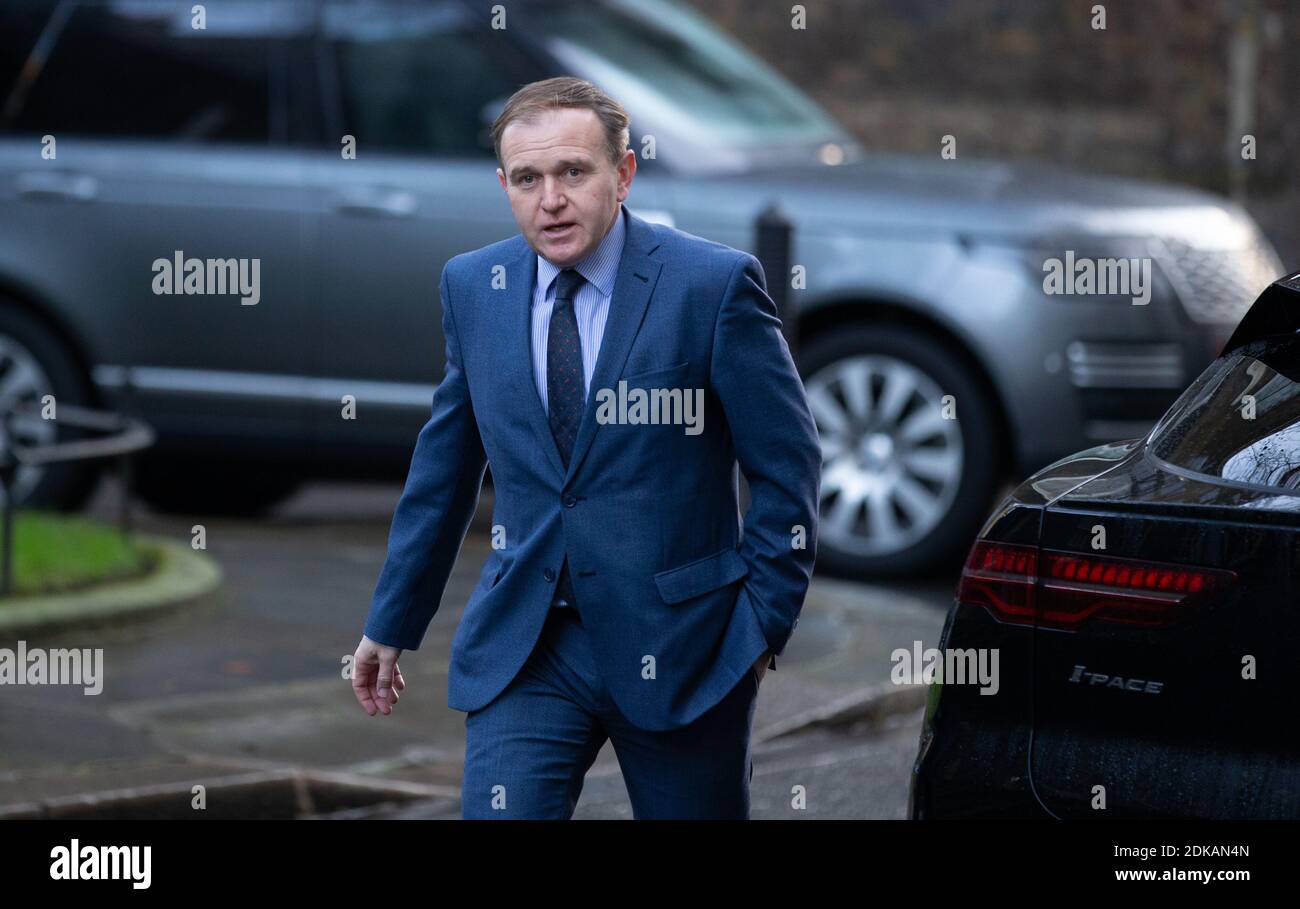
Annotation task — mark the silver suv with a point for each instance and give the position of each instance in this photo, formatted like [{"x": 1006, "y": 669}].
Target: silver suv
[{"x": 133, "y": 141}]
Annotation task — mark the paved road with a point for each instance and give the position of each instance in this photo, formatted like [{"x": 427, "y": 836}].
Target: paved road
[{"x": 250, "y": 676}]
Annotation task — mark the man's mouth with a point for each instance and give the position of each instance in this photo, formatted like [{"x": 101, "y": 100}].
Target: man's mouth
[{"x": 558, "y": 230}]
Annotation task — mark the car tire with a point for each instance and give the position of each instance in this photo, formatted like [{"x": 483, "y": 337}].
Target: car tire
[
  {"x": 176, "y": 484},
  {"x": 881, "y": 514},
  {"x": 34, "y": 362}
]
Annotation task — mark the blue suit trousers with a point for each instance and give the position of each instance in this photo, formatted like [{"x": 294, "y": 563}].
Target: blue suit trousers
[{"x": 528, "y": 750}]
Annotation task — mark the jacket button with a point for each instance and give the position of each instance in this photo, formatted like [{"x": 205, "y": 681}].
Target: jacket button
[
  {"x": 570, "y": 501},
  {"x": 548, "y": 575}
]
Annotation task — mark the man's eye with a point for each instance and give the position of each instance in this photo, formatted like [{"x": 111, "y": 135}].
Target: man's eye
[
  {"x": 525, "y": 179},
  {"x": 573, "y": 171}
]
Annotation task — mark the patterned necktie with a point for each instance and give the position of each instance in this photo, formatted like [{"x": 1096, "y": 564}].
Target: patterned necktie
[
  {"x": 564, "y": 377},
  {"x": 564, "y": 391}
]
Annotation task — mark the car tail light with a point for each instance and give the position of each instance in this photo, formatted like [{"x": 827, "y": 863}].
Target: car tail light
[
  {"x": 1001, "y": 577},
  {"x": 1023, "y": 584}
]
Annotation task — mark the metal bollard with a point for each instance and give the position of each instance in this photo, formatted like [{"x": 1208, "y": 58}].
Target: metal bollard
[{"x": 773, "y": 240}]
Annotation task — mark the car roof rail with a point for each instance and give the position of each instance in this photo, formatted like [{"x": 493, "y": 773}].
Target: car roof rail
[{"x": 1276, "y": 311}]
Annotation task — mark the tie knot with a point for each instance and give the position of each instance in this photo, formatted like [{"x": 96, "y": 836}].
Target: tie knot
[{"x": 567, "y": 284}]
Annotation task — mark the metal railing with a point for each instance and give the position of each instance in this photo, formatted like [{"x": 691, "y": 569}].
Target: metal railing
[{"x": 125, "y": 435}]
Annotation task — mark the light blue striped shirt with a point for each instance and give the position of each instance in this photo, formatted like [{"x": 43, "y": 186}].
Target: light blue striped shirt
[{"x": 590, "y": 308}]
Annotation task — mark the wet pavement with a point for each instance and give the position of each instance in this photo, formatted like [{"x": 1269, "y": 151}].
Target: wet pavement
[{"x": 251, "y": 677}]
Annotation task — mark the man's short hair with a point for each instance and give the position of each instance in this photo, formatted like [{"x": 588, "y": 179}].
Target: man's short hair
[{"x": 565, "y": 91}]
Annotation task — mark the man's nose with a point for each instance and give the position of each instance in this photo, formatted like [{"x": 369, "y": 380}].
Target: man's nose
[{"x": 552, "y": 195}]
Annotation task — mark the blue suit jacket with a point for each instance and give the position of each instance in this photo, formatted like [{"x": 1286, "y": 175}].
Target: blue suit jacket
[{"x": 678, "y": 594}]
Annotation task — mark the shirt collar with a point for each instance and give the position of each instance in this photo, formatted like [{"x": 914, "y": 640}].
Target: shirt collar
[{"x": 600, "y": 267}]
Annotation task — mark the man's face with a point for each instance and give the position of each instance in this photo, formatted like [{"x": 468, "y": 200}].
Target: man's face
[{"x": 562, "y": 187}]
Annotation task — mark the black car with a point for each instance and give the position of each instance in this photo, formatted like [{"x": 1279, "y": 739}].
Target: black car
[{"x": 1143, "y": 598}]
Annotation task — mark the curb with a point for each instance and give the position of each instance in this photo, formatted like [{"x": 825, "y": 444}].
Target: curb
[
  {"x": 865, "y": 608},
  {"x": 289, "y": 791},
  {"x": 182, "y": 574},
  {"x": 871, "y": 704}
]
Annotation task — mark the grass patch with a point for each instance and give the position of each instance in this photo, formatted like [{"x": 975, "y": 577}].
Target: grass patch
[{"x": 57, "y": 553}]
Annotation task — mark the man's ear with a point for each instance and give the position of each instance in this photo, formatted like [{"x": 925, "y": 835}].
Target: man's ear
[
  {"x": 501, "y": 177},
  {"x": 626, "y": 171}
]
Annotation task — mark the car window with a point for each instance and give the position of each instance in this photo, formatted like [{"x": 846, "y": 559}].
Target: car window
[
  {"x": 1240, "y": 420},
  {"x": 136, "y": 69},
  {"x": 21, "y": 25},
  {"x": 669, "y": 64},
  {"x": 423, "y": 77}
]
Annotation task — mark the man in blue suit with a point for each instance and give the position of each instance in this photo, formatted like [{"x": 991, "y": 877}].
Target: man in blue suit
[{"x": 614, "y": 373}]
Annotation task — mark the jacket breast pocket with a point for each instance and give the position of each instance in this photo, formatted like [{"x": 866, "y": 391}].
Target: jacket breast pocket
[
  {"x": 657, "y": 374},
  {"x": 701, "y": 576}
]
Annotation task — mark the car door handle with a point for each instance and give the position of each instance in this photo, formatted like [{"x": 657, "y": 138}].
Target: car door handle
[
  {"x": 375, "y": 200},
  {"x": 57, "y": 185}
]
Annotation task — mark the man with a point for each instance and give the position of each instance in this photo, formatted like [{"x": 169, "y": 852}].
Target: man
[{"x": 614, "y": 373}]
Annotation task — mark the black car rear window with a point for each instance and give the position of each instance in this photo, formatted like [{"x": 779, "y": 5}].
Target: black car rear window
[{"x": 1240, "y": 420}]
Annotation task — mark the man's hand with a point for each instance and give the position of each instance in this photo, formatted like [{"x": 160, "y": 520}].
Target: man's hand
[
  {"x": 760, "y": 665},
  {"x": 375, "y": 676}
]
